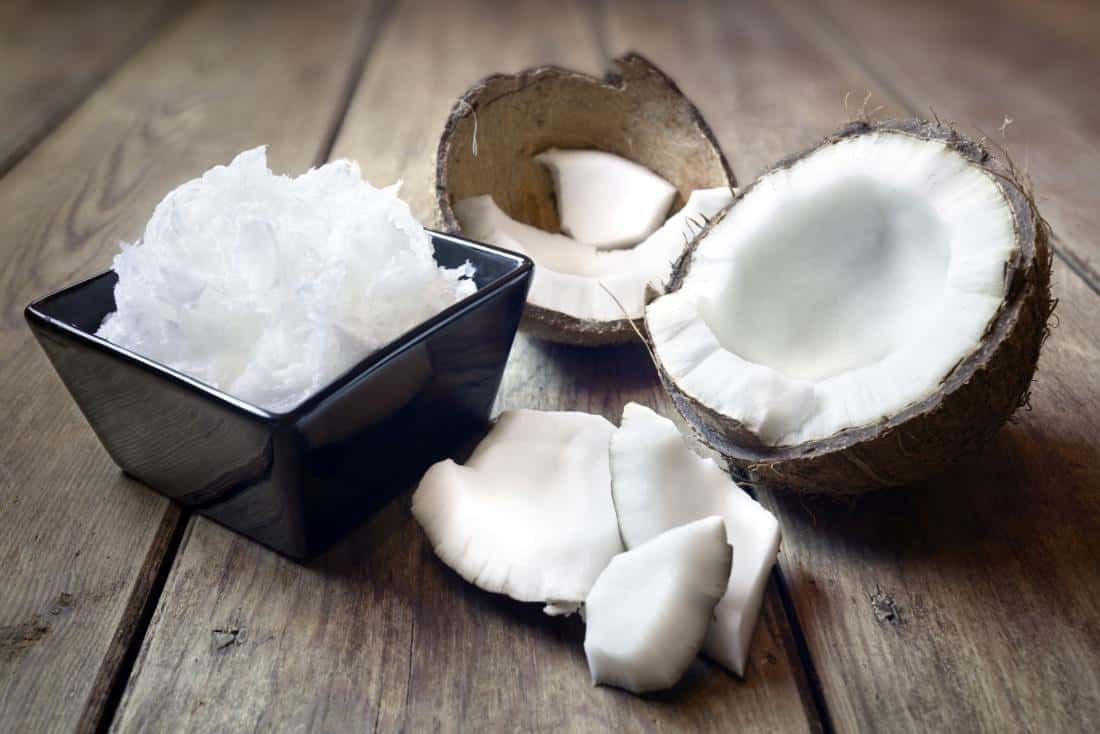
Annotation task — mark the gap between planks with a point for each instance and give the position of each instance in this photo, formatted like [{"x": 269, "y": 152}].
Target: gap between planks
[
  {"x": 180, "y": 530},
  {"x": 156, "y": 26},
  {"x": 374, "y": 26},
  {"x": 326, "y": 149},
  {"x": 383, "y": 17},
  {"x": 575, "y": 370},
  {"x": 811, "y": 73},
  {"x": 846, "y": 48},
  {"x": 814, "y": 695}
]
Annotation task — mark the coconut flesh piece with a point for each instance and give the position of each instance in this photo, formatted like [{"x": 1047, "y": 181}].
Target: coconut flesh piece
[
  {"x": 530, "y": 513},
  {"x": 648, "y": 612},
  {"x": 838, "y": 289},
  {"x": 570, "y": 277},
  {"x": 605, "y": 200},
  {"x": 658, "y": 483}
]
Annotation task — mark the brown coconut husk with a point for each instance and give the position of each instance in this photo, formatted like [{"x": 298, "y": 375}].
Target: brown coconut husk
[
  {"x": 970, "y": 404},
  {"x": 498, "y": 126}
]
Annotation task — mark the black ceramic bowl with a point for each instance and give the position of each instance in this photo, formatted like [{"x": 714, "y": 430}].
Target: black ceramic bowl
[{"x": 293, "y": 481}]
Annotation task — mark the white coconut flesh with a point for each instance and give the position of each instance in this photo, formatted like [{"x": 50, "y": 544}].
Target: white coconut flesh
[
  {"x": 530, "y": 513},
  {"x": 570, "y": 276},
  {"x": 605, "y": 200},
  {"x": 659, "y": 483},
  {"x": 838, "y": 290},
  {"x": 648, "y": 612}
]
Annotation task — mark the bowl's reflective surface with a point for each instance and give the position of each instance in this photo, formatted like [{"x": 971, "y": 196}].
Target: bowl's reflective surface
[{"x": 293, "y": 481}]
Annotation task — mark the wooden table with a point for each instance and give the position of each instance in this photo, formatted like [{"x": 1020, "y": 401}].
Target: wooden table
[{"x": 969, "y": 603}]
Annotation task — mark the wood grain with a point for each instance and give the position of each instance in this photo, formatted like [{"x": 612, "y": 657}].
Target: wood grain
[
  {"x": 757, "y": 82},
  {"x": 378, "y": 634},
  {"x": 969, "y": 603},
  {"x": 1074, "y": 21},
  {"x": 79, "y": 544},
  {"x": 978, "y": 67},
  {"x": 55, "y": 53}
]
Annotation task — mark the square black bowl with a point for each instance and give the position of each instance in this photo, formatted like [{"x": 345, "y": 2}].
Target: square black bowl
[{"x": 293, "y": 481}]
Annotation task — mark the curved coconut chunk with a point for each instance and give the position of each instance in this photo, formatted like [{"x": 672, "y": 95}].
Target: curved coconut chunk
[
  {"x": 605, "y": 200},
  {"x": 481, "y": 218},
  {"x": 648, "y": 612},
  {"x": 570, "y": 277},
  {"x": 530, "y": 513},
  {"x": 839, "y": 290},
  {"x": 659, "y": 483}
]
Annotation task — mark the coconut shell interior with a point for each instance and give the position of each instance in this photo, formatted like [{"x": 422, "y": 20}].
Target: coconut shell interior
[
  {"x": 966, "y": 409},
  {"x": 495, "y": 130}
]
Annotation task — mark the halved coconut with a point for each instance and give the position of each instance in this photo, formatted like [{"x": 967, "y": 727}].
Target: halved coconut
[
  {"x": 648, "y": 612},
  {"x": 529, "y": 514},
  {"x": 498, "y": 128},
  {"x": 861, "y": 315},
  {"x": 658, "y": 483}
]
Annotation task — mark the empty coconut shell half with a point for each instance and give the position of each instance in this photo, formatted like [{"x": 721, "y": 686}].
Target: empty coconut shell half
[
  {"x": 863, "y": 314},
  {"x": 489, "y": 147}
]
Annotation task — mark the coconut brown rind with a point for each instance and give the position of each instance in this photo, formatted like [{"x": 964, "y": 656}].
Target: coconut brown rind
[
  {"x": 543, "y": 323},
  {"x": 971, "y": 403},
  {"x": 498, "y": 126}
]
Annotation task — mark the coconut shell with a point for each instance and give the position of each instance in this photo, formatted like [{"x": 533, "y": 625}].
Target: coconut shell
[
  {"x": 970, "y": 404},
  {"x": 498, "y": 126}
]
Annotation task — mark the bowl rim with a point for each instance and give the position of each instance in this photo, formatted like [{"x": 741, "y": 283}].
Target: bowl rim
[{"x": 374, "y": 361}]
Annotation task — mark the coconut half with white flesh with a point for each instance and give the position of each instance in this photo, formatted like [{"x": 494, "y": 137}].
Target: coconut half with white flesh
[
  {"x": 863, "y": 314},
  {"x": 658, "y": 483},
  {"x": 648, "y": 612},
  {"x": 605, "y": 200},
  {"x": 529, "y": 515},
  {"x": 490, "y": 147}
]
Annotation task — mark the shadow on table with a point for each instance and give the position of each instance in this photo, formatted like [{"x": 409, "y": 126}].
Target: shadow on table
[
  {"x": 1012, "y": 533},
  {"x": 1022, "y": 486},
  {"x": 623, "y": 367}
]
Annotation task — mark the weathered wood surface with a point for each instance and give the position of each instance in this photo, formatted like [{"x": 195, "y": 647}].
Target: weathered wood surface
[
  {"x": 1071, "y": 20},
  {"x": 978, "y": 66},
  {"x": 79, "y": 544},
  {"x": 378, "y": 634},
  {"x": 54, "y": 53},
  {"x": 972, "y": 602}
]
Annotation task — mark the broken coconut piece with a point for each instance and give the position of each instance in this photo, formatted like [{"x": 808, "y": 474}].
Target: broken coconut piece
[
  {"x": 648, "y": 611},
  {"x": 529, "y": 514},
  {"x": 862, "y": 314},
  {"x": 658, "y": 483},
  {"x": 490, "y": 140},
  {"x": 605, "y": 200},
  {"x": 570, "y": 277}
]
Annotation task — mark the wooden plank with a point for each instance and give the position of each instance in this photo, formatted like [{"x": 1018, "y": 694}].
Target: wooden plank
[
  {"x": 377, "y": 634},
  {"x": 80, "y": 545},
  {"x": 978, "y": 67},
  {"x": 757, "y": 82},
  {"x": 992, "y": 569},
  {"x": 1074, "y": 21},
  {"x": 55, "y": 53},
  {"x": 969, "y": 603}
]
